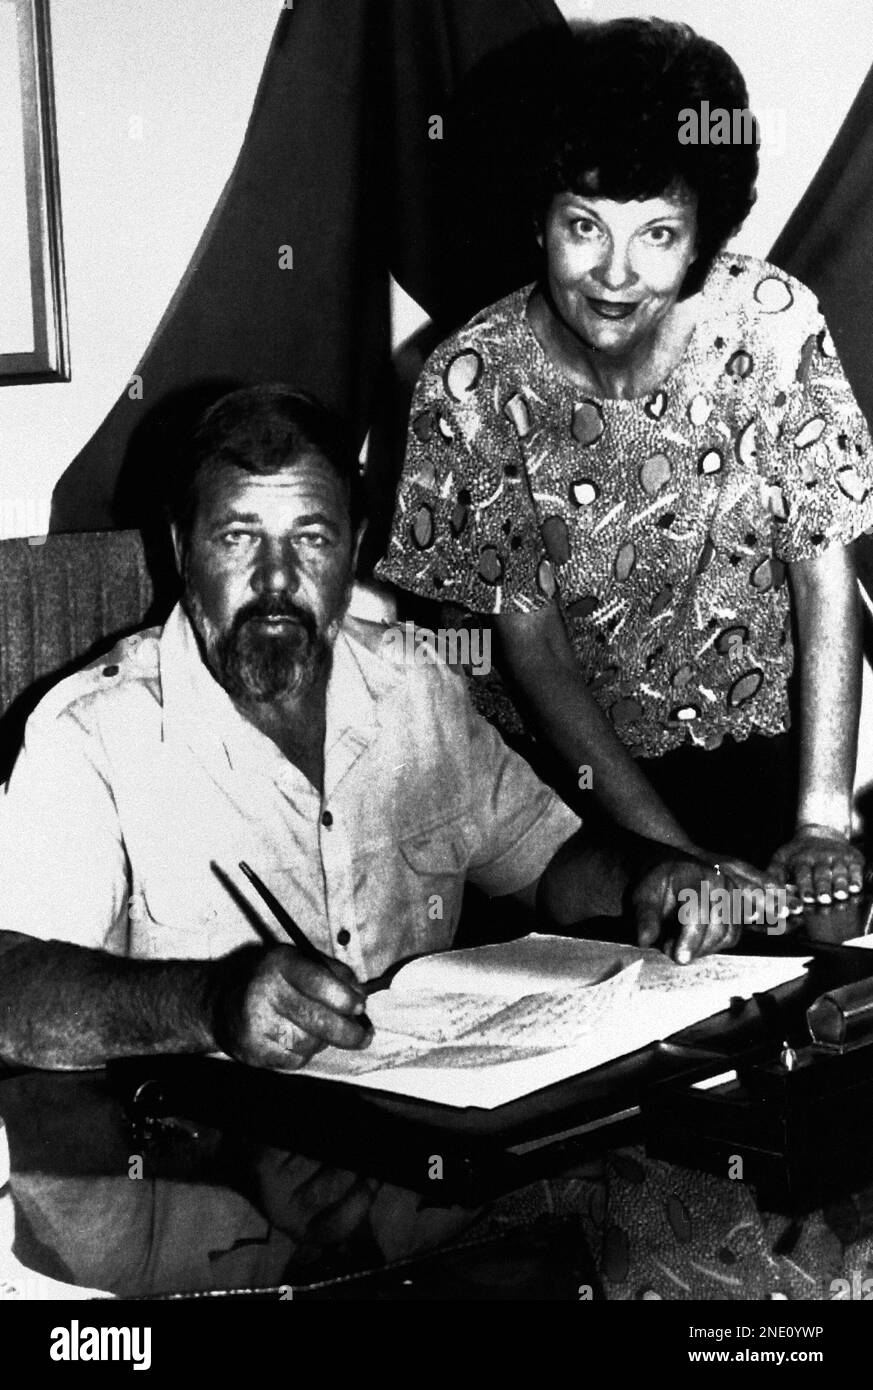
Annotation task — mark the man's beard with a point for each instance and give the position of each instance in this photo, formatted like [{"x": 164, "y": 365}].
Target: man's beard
[{"x": 255, "y": 664}]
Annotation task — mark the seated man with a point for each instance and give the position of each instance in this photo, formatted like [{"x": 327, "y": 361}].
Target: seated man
[{"x": 262, "y": 724}]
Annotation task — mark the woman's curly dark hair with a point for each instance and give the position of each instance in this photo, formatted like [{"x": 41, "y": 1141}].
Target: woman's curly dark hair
[{"x": 611, "y": 104}]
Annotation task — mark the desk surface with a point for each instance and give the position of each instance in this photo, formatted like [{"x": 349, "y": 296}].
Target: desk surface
[{"x": 109, "y": 1203}]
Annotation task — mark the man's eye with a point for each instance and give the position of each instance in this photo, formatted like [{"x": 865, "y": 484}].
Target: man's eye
[
  {"x": 315, "y": 540},
  {"x": 234, "y": 539}
]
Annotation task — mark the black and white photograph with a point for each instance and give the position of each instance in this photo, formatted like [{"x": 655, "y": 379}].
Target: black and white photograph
[{"x": 436, "y": 706}]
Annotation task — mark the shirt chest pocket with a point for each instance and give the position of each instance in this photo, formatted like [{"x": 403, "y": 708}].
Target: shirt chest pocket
[
  {"x": 173, "y": 913},
  {"x": 441, "y": 853}
]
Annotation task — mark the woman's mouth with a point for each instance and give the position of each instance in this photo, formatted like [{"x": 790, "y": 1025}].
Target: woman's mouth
[{"x": 611, "y": 308}]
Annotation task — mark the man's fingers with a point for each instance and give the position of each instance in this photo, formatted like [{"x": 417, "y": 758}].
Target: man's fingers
[
  {"x": 325, "y": 1024},
  {"x": 333, "y": 986},
  {"x": 312, "y": 998}
]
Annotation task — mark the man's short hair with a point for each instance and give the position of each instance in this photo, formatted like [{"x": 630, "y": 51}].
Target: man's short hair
[{"x": 262, "y": 430}]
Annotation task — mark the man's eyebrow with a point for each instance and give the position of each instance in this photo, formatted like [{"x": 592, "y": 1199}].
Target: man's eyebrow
[
  {"x": 318, "y": 519},
  {"x": 225, "y": 519}
]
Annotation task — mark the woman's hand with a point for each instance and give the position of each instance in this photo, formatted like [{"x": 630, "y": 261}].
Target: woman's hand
[
  {"x": 821, "y": 863},
  {"x": 766, "y": 893}
]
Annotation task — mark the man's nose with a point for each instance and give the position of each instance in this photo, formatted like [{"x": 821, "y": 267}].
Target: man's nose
[
  {"x": 615, "y": 271},
  {"x": 277, "y": 569}
]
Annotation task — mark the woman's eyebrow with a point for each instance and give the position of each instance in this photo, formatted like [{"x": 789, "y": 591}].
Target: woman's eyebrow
[
  {"x": 578, "y": 200},
  {"x": 666, "y": 217}
]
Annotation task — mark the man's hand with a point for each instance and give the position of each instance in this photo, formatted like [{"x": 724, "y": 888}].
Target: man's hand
[
  {"x": 275, "y": 1008},
  {"x": 699, "y": 921},
  {"x": 821, "y": 863}
]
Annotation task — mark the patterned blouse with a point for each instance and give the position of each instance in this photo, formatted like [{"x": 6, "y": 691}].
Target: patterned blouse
[{"x": 661, "y": 525}]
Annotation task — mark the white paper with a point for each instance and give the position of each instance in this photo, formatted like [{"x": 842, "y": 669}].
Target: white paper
[{"x": 540, "y": 1021}]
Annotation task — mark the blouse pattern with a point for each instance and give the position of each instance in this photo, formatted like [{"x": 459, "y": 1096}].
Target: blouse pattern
[{"x": 662, "y": 526}]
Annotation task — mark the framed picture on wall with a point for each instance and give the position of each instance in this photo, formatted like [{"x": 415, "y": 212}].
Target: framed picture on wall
[{"x": 33, "y": 314}]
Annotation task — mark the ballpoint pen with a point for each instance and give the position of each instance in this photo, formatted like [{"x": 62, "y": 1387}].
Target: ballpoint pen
[{"x": 288, "y": 925}]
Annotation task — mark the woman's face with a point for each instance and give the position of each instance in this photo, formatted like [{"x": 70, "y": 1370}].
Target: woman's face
[{"x": 615, "y": 269}]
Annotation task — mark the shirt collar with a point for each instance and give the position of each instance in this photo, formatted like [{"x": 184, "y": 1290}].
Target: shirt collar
[{"x": 197, "y": 710}]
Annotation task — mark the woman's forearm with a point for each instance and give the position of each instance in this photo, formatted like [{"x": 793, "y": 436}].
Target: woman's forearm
[
  {"x": 567, "y": 717},
  {"x": 829, "y": 638}
]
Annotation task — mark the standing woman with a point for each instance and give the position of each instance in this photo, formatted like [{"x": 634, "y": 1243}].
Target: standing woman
[{"x": 648, "y": 467}]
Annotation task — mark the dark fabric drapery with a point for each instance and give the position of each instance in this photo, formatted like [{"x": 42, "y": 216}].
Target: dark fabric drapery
[
  {"x": 338, "y": 164},
  {"x": 828, "y": 243}
]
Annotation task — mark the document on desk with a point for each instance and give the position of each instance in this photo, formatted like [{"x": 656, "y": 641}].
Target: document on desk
[{"x": 485, "y": 1026}]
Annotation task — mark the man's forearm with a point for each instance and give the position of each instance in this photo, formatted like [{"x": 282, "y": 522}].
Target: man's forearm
[
  {"x": 64, "y": 1007},
  {"x": 828, "y": 622}
]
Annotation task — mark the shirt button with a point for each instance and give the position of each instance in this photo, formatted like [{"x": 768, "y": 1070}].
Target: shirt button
[
  {"x": 343, "y": 937},
  {"x": 110, "y": 670},
  {"x": 327, "y": 820}
]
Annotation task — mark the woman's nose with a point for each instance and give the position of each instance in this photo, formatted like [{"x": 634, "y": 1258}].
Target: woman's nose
[{"x": 615, "y": 271}]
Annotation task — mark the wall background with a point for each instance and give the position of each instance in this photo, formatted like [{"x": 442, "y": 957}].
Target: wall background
[{"x": 152, "y": 104}]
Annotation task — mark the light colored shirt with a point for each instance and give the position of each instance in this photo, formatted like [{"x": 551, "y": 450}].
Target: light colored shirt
[
  {"x": 662, "y": 526},
  {"x": 140, "y": 787}
]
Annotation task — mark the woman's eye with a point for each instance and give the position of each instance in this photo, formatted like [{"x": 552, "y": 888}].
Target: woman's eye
[
  {"x": 661, "y": 236},
  {"x": 583, "y": 227}
]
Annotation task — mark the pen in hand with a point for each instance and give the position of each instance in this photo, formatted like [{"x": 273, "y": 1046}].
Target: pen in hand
[{"x": 290, "y": 927}]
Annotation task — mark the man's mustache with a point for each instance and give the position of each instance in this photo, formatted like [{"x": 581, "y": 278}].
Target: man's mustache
[{"x": 275, "y": 607}]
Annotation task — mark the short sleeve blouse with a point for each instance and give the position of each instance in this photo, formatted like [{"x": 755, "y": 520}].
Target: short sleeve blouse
[{"x": 661, "y": 525}]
